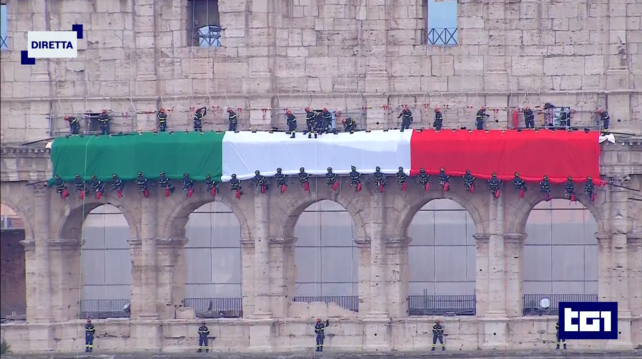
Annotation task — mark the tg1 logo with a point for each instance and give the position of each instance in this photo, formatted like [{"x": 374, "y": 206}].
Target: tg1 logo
[{"x": 588, "y": 320}]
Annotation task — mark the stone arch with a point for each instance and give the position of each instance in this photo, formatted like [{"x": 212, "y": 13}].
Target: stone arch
[
  {"x": 415, "y": 203},
  {"x": 175, "y": 221},
  {"x": 519, "y": 213},
  {"x": 14, "y": 258},
  {"x": 72, "y": 223},
  {"x": 21, "y": 203},
  {"x": 298, "y": 204}
]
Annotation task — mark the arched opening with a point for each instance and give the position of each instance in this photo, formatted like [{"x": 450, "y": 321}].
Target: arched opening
[
  {"x": 213, "y": 262},
  {"x": 560, "y": 255},
  {"x": 106, "y": 264},
  {"x": 442, "y": 260},
  {"x": 13, "y": 279},
  {"x": 326, "y": 257}
]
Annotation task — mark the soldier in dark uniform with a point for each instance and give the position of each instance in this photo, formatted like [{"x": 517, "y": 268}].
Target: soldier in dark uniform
[
  {"x": 401, "y": 179},
  {"x": 233, "y": 120},
  {"x": 520, "y": 185},
  {"x": 235, "y": 185},
  {"x": 79, "y": 185},
  {"x": 469, "y": 182},
  {"x": 166, "y": 183},
  {"x": 545, "y": 188},
  {"x": 557, "y": 337},
  {"x": 291, "y": 120},
  {"x": 74, "y": 125},
  {"x": 104, "y": 120},
  {"x": 90, "y": 331},
  {"x": 439, "y": 120},
  {"x": 117, "y": 185},
  {"x": 332, "y": 179},
  {"x": 424, "y": 179},
  {"x": 326, "y": 122},
  {"x": 349, "y": 124},
  {"x": 188, "y": 184},
  {"x": 198, "y": 118},
  {"x": 304, "y": 179},
  {"x": 438, "y": 334},
  {"x": 481, "y": 116},
  {"x": 162, "y": 120},
  {"x": 61, "y": 187},
  {"x": 203, "y": 333},
  {"x": 494, "y": 184},
  {"x": 569, "y": 186},
  {"x": 380, "y": 179},
  {"x": 605, "y": 118},
  {"x": 444, "y": 180},
  {"x": 212, "y": 185},
  {"x": 355, "y": 178},
  {"x": 589, "y": 188},
  {"x": 142, "y": 184},
  {"x": 319, "y": 331},
  {"x": 406, "y": 118},
  {"x": 281, "y": 180},
  {"x": 97, "y": 186},
  {"x": 260, "y": 181},
  {"x": 310, "y": 117},
  {"x": 529, "y": 117}
]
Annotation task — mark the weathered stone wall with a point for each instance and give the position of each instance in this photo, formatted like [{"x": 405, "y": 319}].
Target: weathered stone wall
[
  {"x": 348, "y": 55},
  {"x": 13, "y": 284}
]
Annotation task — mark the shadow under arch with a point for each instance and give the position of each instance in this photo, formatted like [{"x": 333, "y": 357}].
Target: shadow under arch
[
  {"x": 174, "y": 224},
  {"x": 416, "y": 203},
  {"x": 72, "y": 224},
  {"x": 20, "y": 212},
  {"x": 300, "y": 203},
  {"x": 519, "y": 214}
]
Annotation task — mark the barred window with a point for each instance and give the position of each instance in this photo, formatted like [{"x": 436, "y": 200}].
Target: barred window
[
  {"x": 441, "y": 22},
  {"x": 4, "y": 45},
  {"x": 204, "y": 23}
]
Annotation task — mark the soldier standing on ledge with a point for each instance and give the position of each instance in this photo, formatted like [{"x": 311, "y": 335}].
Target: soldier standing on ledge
[
  {"x": 198, "y": 119},
  {"x": 438, "y": 334},
  {"x": 319, "y": 330},
  {"x": 90, "y": 331},
  {"x": 104, "y": 119},
  {"x": 203, "y": 332},
  {"x": 162, "y": 120},
  {"x": 74, "y": 125},
  {"x": 557, "y": 336}
]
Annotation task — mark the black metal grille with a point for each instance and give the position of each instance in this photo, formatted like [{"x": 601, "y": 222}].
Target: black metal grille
[
  {"x": 446, "y": 36},
  {"x": 103, "y": 308},
  {"x": 441, "y": 305},
  {"x": 531, "y": 302},
  {"x": 3, "y": 43}
]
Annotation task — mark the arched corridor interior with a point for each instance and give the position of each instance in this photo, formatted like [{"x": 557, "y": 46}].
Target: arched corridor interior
[
  {"x": 560, "y": 251},
  {"x": 442, "y": 250},
  {"x": 106, "y": 261},
  {"x": 327, "y": 259},
  {"x": 12, "y": 258},
  {"x": 213, "y": 259}
]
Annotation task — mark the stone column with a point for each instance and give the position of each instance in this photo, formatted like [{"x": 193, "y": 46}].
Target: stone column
[
  {"x": 145, "y": 15},
  {"x": 496, "y": 262},
  {"x": 377, "y": 336},
  {"x": 635, "y": 284},
  {"x": 604, "y": 267},
  {"x": 66, "y": 278},
  {"x": 620, "y": 281},
  {"x": 398, "y": 275},
  {"x": 281, "y": 275},
  {"x": 172, "y": 276},
  {"x": 136, "y": 299},
  {"x": 31, "y": 280},
  {"x": 618, "y": 74},
  {"x": 43, "y": 266},
  {"x": 149, "y": 275},
  {"x": 514, "y": 250},
  {"x": 247, "y": 273},
  {"x": 261, "y": 322},
  {"x": 373, "y": 55},
  {"x": 363, "y": 246},
  {"x": 481, "y": 276}
]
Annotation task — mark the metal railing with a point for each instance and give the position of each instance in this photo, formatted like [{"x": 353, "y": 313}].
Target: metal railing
[
  {"x": 441, "y": 305},
  {"x": 103, "y": 308},
  {"x": 215, "y": 307},
  {"x": 3, "y": 43},
  {"x": 532, "y": 301},
  {"x": 445, "y": 36},
  {"x": 350, "y": 302}
]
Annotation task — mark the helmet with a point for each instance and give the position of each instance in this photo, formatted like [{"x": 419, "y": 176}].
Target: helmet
[
  {"x": 600, "y": 110},
  {"x": 377, "y": 168},
  {"x": 301, "y": 169},
  {"x": 467, "y": 172},
  {"x": 442, "y": 169},
  {"x": 208, "y": 176},
  {"x": 325, "y": 109},
  {"x": 77, "y": 176},
  {"x": 279, "y": 169},
  {"x": 421, "y": 170},
  {"x": 589, "y": 178},
  {"x": 140, "y": 173},
  {"x": 202, "y": 323},
  {"x": 162, "y": 173},
  {"x": 353, "y": 168},
  {"x": 234, "y": 175},
  {"x": 57, "y": 176},
  {"x": 494, "y": 174},
  {"x": 318, "y": 320},
  {"x": 329, "y": 169},
  {"x": 93, "y": 176},
  {"x": 229, "y": 109},
  {"x": 307, "y": 109},
  {"x": 516, "y": 174},
  {"x": 104, "y": 111},
  {"x": 162, "y": 110},
  {"x": 185, "y": 174},
  {"x": 437, "y": 109},
  {"x": 437, "y": 321},
  {"x": 527, "y": 108},
  {"x": 66, "y": 118},
  {"x": 482, "y": 108},
  {"x": 114, "y": 176},
  {"x": 257, "y": 172},
  {"x": 570, "y": 178},
  {"x": 545, "y": 177},
  {"x": 289, "y": 112},
  {"x": 344, "y": 121},
  {"x": 401, "y": 169}
]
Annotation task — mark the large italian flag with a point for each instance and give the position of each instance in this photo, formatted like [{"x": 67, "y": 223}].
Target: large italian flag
[{"x": 533, "y": 154}]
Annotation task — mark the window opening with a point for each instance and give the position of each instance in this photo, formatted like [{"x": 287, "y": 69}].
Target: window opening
[
  {"x": 441, "y": 22},
  {"x": 204, "y": 22},
  {"x": 4, "y": 27}
]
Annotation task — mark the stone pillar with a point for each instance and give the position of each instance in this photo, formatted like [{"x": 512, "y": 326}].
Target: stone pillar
[
  {"x": 374, "y": 41},
  {"x": 377, "y": 336},
  {"x": 43, "y": 265},
  {"x": 31, "y": 280},
  {"x": 635, "y": 284},
  {"x": 66, "y": 278},
  {"x": 247, "y": 273},
  {"x": 261, "y": 322},
  {"x": 514, "y": 250},
  {"x": 136, "y": 299},
  {"x": 481, "y": 276},
  {"x": 266, "y": 20},
  {"x": 604, "y": 267},
  {"x": 145, "y": 15},
  {"x": 281, "y": 275},
  {"x": 398, "y": 275},
  {"x": 618, "y": 74},
  {"x": 619, "y": 280},
  {"x": 172, "y": 275},
  {"x": 363, "y": 246}
]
